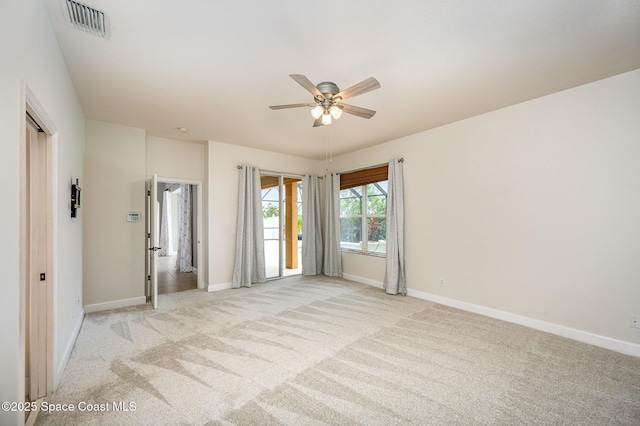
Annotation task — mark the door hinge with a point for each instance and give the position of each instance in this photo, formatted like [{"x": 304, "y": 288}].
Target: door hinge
[
  {"x": 149, "y": 193},
  {"x": 149, "y": 235},
  {"x": 148, "y": 277}
]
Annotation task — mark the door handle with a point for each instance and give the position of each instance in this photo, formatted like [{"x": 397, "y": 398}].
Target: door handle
[{"x": 155, "y": 248}]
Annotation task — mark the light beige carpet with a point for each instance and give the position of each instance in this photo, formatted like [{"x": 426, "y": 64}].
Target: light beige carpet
[{"x": 311, "y": 351}]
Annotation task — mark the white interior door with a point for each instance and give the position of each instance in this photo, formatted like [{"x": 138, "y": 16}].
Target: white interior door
[
  {"x": 36, "y": 367},
  {"x": 152, "y": 238}
]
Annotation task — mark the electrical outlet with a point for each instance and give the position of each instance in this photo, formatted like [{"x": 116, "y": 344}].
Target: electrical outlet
[
  {"x": 634, "y": 321},
  {"x": 441, "y": 282}
]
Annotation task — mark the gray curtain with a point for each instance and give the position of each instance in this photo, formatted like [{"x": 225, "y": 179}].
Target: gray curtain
[
  {"x": 312, "y": 258},
  {"x": 394, "y": 277},
  {"x": 165, "y": 240},
  {"x": 249, "y": 264},
  {"x": 332, "y": 254},
  {"x": 184, "y": 259}
]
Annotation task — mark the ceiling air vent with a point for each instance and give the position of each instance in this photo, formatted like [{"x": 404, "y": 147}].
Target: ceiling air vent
[{"x": 86, "y": 18}]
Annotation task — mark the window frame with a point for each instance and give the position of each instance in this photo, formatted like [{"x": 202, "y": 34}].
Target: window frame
[{"x": 364, "y": 217}]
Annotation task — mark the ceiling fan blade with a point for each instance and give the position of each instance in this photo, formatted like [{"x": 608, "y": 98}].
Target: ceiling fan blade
[
  {"x": 360, "y": 88},
  {"x": 360, "y": 112},
  {"x": 318, "y": 122},
  {"x": 304, "y": 82},
  {"x": 291, "y": 106}
]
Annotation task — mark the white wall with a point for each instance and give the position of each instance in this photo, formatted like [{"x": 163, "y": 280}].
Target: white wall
[
  {"x": 222, "y": 195},
  {"x": 175, "y": 159},
  {"x": 115, "y": 184},
  {"x": 28, "y": 51},
  {"x": 118, "y": 161},
  {"x": 533, "y": 209}
]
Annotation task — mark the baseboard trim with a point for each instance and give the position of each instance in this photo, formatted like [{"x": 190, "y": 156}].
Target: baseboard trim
[
  {"x": 616, "y": 345},
  {"x": 218, "y": 287},
  {"x": 115, "y": 304},
  {"x": 362, "y": 280},
  {"x": 67, "y": 352}
]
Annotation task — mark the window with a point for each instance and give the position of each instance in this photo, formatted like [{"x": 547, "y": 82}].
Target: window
[{"x": 363, "y": 221}]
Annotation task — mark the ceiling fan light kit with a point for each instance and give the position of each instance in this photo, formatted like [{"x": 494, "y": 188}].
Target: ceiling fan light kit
[
  {"x": 328, "y": 99},
  {"x": 336, "y": 111},
  {"x": 317, "y": 111}
]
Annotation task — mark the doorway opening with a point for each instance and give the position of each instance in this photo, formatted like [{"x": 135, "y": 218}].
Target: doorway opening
[
  {"x": 282, "y": 216},
  {"x": 177, "y": 264},
  {"x": 174, "y": 260}
]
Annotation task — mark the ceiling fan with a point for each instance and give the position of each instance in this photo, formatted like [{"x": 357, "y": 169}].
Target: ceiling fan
[{"x": 327, "y": 99}]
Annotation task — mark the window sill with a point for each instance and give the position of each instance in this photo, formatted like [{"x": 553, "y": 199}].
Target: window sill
[{"x": 365, "y": 253}]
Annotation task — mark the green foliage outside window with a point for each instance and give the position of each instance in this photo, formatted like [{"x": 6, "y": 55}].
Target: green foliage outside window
[
  {"x": 270, "y": 210},
  {"x": 363, "y": 216}
]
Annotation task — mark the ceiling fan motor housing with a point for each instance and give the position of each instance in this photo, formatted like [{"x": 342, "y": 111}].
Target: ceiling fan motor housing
[{"x": 328, "y": 89}]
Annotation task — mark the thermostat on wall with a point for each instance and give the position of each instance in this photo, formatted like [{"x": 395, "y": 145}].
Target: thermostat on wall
[{"x": 133, "y": 217}]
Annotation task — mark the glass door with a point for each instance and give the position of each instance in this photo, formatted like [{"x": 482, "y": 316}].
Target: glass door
[
  {"x": 281, "y": 211},
  {"x": 271, "y": 201}
]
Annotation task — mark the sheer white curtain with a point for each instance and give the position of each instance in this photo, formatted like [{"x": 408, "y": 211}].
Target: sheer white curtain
[
  {"x": 332, "y": 254},
  {"x": 184, "y": 259},
  {"x": 165, "y": 240},
  {"x": 249, "y": 263},
  {"x": 394, "y": 277},
  {"x": 312, "y": 258}
]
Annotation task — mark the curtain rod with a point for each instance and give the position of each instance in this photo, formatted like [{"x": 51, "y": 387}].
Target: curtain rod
[
  {"x": 401, "y": 160},
  {"x": 271, "y": 172},
  {"x": 279, "y": 173}
]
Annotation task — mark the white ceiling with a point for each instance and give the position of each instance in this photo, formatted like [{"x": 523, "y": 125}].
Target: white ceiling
[{"x": 215, "y": 66}]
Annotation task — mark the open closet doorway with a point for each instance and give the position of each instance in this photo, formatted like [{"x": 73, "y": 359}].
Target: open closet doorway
[{"x": 178, "y": 230}]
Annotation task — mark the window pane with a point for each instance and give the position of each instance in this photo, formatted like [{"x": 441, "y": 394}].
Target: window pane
[
  {"x": 378, "y": 188},
  {"x": 377, "y": 234},
  {"x": 351, "y": 202},
  {"x": 377, "y": 198},
  {"x": 271, "y": 194},
  {"x": 271, "y": 213},
  {"x": 351, "y": 233}
]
